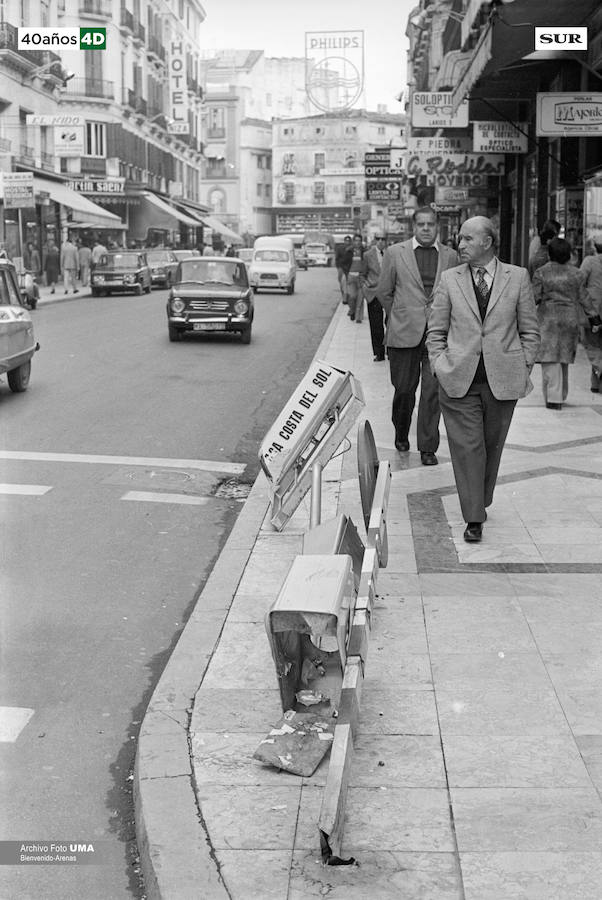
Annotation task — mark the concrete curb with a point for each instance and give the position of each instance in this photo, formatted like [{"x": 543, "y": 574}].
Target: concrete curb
[{"x": 176, "y": 857}]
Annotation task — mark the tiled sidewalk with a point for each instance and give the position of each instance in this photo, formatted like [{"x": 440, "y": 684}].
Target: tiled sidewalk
[{"x": 478, "y": 769}]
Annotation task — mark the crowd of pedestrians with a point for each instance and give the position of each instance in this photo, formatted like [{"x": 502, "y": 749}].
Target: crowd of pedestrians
[
  {"x": 73, "y": 262},
  {"x": 468, "y": 328}
]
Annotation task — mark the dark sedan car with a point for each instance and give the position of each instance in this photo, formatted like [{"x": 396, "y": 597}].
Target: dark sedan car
[
  {"x": 120, "y": 271},
  {"x": 163, "y": 265},
  {"x": 211, "y": 294}
]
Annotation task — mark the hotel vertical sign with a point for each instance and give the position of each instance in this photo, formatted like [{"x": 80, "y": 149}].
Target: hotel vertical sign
[{"x": 177, "y": 88}]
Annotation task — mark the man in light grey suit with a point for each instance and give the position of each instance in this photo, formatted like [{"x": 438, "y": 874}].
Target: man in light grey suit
[
  {"x": 482, "y": 341},
  {"x": 410, "y": 272}
]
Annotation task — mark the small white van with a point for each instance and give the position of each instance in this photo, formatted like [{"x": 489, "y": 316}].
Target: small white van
[{"x": 273, "y": 266}]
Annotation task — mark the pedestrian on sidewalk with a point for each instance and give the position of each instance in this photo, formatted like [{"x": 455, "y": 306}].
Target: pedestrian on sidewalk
[
  {"x": 410, "y": 273},
  {"x": 483, "y": 338},
  {"x": 51, "y": 264},
  {"x": 592, "y": 343},
  {"x": 560, "y": 292},
  {"x": 98, "y": 251},
  {"x": 343, "y": 258},
  {"x": 69, "y": 264},
  {"x": 369, "y": 276},
  {"x": 355, "y": 297},
  {"x": 539, "y": 257},
  {"x": 84, "y": 255}
]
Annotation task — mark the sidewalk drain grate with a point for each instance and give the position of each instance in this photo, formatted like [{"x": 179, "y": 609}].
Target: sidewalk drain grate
[{"x": 232, "y": 489}]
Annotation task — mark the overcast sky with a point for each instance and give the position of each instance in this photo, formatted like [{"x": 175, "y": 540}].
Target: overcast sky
[{"x": 278, "y": 27}]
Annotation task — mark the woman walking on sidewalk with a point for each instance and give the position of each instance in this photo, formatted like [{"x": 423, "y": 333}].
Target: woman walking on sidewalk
[
  {"x": 559, "y": 290},
  {"x": 51, "y": 265}
]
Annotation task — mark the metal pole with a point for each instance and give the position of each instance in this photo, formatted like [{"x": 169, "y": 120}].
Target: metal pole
[{"x": 315, "y": 510}]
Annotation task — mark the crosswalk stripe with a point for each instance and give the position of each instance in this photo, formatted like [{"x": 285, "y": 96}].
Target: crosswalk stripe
[
  {"x": 207, "y": 465},
  {"x": 155, "y": 497},
  {"x": 30, "y": 489},
  {"x": 13, "y": 720}
]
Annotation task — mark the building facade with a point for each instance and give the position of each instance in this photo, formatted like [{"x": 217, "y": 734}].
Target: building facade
[{"x": 318, "y": 170}]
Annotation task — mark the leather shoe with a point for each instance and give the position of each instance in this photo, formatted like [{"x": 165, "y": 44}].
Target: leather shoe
[
  {"x": 553, "y": 405},
  {"x": 402, "y": 446},
  {"x": 473, "y": 532},
  {"x": 427, "y": 458},
  {"x": 379, "y": 359}
]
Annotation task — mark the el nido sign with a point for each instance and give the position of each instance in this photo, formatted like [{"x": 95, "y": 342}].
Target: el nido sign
[{"x": 569, "y": 115}]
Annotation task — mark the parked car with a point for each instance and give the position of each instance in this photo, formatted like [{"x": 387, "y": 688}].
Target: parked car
[
  {"x": 121, "y": 270},
  {"x": 163, "y": 265},
  {"x": 17, "y": 341},
  {"x": 185, "y": 254},
  {"x": 273, "y": 266},
  {"x": 246, "y": 255},
  {"x": 210, "y": 294}
]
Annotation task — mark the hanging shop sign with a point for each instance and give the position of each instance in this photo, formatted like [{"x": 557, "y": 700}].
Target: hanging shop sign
[
  {"x": 178, "y": 103},
  {"x": 17, "y": 190},
  {"x": 434, "y": 145},
  {"x": 569, "y": 115},
  {"x": 68, "y": 140},
  {"x": 435, "y": 110},
  {"x": 499, "y": 137},
  {"x": 456, "y": 169},
  {"x": 383, "y": 189},
  {"x": 455, "y": 196}
]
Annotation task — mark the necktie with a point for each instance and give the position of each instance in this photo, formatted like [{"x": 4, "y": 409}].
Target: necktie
[{"x": 481, "y": 283}]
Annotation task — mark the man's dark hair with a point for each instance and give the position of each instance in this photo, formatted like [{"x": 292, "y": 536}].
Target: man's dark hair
[
  {"x": 425, "y": 209},
  {"x": 347, "y": 238},
  {"x": 546, "y": 234},
  {"x": 551, "y": 225},
  {"x": 559, "y": 250}
]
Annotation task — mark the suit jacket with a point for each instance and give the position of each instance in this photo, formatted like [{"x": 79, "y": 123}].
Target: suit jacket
[
  {"x": 370, "y": 272},
  {"x": 508, "y": 337},
  {"x": 401, "y": 292}
]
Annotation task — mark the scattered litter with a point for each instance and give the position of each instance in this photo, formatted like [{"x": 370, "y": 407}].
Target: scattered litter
[
  {"x": 297, "y": 744},
  {"x": 380, "y": 762},
  {"x": 310, "y": 698}
]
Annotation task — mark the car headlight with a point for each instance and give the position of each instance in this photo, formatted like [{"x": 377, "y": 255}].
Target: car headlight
[
  {"x": 158, "y": 271},
  {"x": 241, "y": 307},
  {"x": 178, "y": 306},
  {"x": 99, "y": 279},
  {"x": 129, "y": 279}
]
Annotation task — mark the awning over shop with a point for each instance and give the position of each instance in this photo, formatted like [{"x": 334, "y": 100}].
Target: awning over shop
[
  {"x": 163, "y": 214},
  {"x": 452, "y": 68},
  {"x": 216, "y": 225},
  {"x": 508, "y": 37},
  {"x": 83, "y": 209}
]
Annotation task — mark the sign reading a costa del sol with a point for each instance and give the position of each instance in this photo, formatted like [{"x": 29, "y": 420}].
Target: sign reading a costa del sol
[
  {"x": 334, "y": 68},
  {"x": 435, "y": 110},
  {"x": 17, "y": 190},
  {"x": 499, "y": 137},
  {"x": 569, "y": 115}
]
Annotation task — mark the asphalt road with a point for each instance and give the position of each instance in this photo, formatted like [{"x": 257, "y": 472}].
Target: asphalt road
[{"x": 97, "y": 574}]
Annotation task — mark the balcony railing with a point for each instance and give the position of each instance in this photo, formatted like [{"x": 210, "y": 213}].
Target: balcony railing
[
  {"x": 91, "y": 87},
  {"x": 47, "y": 160},
  {"x": 93, "y": 165},
  {"x": 96, "y": 8},
  {"x": 9, "y": 41},
  {"x": 155, "y": 47},
  {"x": 136, "y": 103},
  {"x": 127, "y": 19}
]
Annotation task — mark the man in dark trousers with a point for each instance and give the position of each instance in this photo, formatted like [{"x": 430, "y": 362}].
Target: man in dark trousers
[
  {"x": 369, "y": 275},
  {"x": 482, "y": 340},
  {"x": 410, "y": 272}
]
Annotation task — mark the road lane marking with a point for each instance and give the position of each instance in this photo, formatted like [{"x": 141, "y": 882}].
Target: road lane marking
[
  {"x": 13, "y": 720},
  {"x": 30, "y": 489},
  {"x": 154, "y": 497},
  {"x": 207, "y": 465}
]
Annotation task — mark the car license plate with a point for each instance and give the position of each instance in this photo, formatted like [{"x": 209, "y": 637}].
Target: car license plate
[{"x": 208, "y": 326}]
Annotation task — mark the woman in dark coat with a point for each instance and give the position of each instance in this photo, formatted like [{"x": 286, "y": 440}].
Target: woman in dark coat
[
  {"x": 52, "y": 264},
  {"x": 560, "y": 294}
]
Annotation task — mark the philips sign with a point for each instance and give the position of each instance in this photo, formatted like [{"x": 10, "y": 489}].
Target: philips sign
[{"x": 561, "y": 38}]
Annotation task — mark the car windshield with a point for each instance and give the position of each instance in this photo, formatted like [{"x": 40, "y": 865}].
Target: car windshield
[
  {"x": 120, "y": 261},
  {"x": 8, "y": 292},
  {"x": 271, "y": 255},
  {"x": 208, "y": 271},
  {"x": 159, "y": 256}
]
